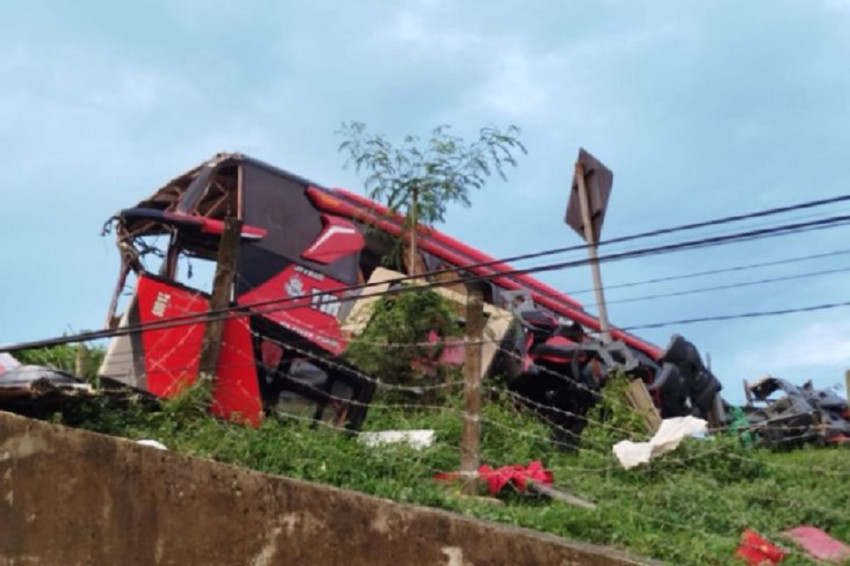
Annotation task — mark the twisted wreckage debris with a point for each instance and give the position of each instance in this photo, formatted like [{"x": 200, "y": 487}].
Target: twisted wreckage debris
[
  {"x": 315, "y": 248},
  {"x": 38, "y": 391},
  {"x": 800, "y": 415}
]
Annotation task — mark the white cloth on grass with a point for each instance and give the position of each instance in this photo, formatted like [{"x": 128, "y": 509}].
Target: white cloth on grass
[{"x": 670, "y": 434}]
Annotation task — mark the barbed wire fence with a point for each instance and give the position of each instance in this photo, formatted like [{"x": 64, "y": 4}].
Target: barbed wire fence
[
  {"x": 511, "y": 434},
  {"x": 507, "y": 430}
]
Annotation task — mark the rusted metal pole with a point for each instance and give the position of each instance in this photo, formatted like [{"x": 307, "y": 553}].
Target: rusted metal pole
[
  {"x": 225, "y": 272},
  {"x": 470, "y": 458},
  {"x": 590, "y": 237}
]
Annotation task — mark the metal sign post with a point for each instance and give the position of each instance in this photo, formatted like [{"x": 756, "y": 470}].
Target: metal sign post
[{"x": 585, "y": 212}]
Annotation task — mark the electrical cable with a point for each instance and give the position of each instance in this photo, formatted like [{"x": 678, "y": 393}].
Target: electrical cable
[
  {"x": 730, "y": 286},
  {"x": 738, "y": 316},
  {"x": 230, "y": 312},
  {"x": 744, "y": 267},
  {"x": 662, "y": 231},
  {"x": 642, "y": 235}
]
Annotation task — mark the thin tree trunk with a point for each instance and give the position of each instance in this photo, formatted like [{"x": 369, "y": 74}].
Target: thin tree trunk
[{"x": 413, "y": 220}]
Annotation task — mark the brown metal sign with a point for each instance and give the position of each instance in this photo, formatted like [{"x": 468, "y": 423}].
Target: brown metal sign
[{"x": 598, "y": 180}]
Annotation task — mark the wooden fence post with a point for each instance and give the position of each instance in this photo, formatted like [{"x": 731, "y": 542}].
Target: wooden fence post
[
  {"x": 225, "y": 272},
  {"x": 471, "y": 434},
  {"x": 80, "y": 360}
]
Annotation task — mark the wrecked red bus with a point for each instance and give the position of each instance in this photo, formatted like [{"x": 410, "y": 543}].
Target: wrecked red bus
[{"x": 310, "y": 248}]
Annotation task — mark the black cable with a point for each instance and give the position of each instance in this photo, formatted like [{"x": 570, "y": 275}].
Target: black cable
[
  {"x": 230, "y": 312},
  {"x": 662, "y": 231},
  {"x": 737, "y": 316},
  {"x": 641, "y": 235},
  {"x": 744, "y": 267},
  {"x": 622, "y": 255},
  {"x": 730, "y": 286},
  {"x": 782, "y": 230}
]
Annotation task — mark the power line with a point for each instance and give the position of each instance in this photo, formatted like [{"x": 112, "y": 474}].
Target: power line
[
  {"x": 723, "y": 317},
  {"x": 221, "y": 314},
  {"x": 731, "y": 286},
  {"x": 249, "y": 308},
  {"x": 642, "y": 235},
  {"x": 613, "y": 257},
  {"x": 673, "y": 229},
  {"x": 791, "y": 217},
  {"x": 781, "y": 230},
  {"x": 744, "y": 267}
]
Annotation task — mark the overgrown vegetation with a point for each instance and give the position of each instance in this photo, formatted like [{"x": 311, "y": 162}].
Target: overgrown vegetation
[
  {"x": 688, "y": 507},
  {"x": 78, "y": 359},
  {"x": 395, "y": 346},
  {"x": 420, "y": 179},
  {"x": 620, "y": 424}
]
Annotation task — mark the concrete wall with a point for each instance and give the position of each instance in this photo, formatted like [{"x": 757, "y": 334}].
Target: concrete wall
[{"x": 69, "y": 497}]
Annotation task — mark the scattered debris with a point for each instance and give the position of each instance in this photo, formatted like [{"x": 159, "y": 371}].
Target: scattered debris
[
  {"x": 35, "y": 382},
  {"x": 418, "y": 439},
  {"x": 668, "y": 437},
  {"x": 152, "y": 444},
  {"x": 560, "y": 495},
  {"x": 757, "y": 551},
  {"x": 639, "y": 398},
  {"x": 532, "y": 478},
  {"x": 37, "y": 391},
  {"x": 800, "y": 415},
  {"x": 819, "y": 544},
  {"x": 7, "y": 362},
  {"x": 516, "y": 476}
]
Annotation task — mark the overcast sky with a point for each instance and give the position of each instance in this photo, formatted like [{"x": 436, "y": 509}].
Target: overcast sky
[{"x": 702, "y": 109}]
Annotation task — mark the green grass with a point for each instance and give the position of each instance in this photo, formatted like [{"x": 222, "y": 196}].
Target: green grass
[
  {"x": 67, "y": 357},
  {"x": 688, "y": 507}
]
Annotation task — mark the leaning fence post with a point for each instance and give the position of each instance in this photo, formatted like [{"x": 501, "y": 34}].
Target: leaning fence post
[
  {"x": 471, "y": 434},
  {"x": 847, "y": 385},
  {"x": 225, "y": 271}
]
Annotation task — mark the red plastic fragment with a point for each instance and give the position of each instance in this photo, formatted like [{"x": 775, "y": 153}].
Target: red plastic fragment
[
  {"x": 756, "y": 551},
  {"x": 518, "y": 475},
  {"x": 818, "y": 544}
]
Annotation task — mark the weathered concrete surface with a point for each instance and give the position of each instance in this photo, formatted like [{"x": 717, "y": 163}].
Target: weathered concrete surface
[{"x": 70, "y": 497}]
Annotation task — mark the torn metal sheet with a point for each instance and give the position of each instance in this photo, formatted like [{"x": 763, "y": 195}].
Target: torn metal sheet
[
  {"x": 798, "y": 415},
  {"x": 37, "y": 381},
  {"x": 37, "y": 391}
]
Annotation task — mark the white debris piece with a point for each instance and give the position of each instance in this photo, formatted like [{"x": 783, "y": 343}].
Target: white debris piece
[
  {"x": 152, "y": 444},
  {"x": 418, "y": 439},
  {"x": 669, "y": 435}
]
